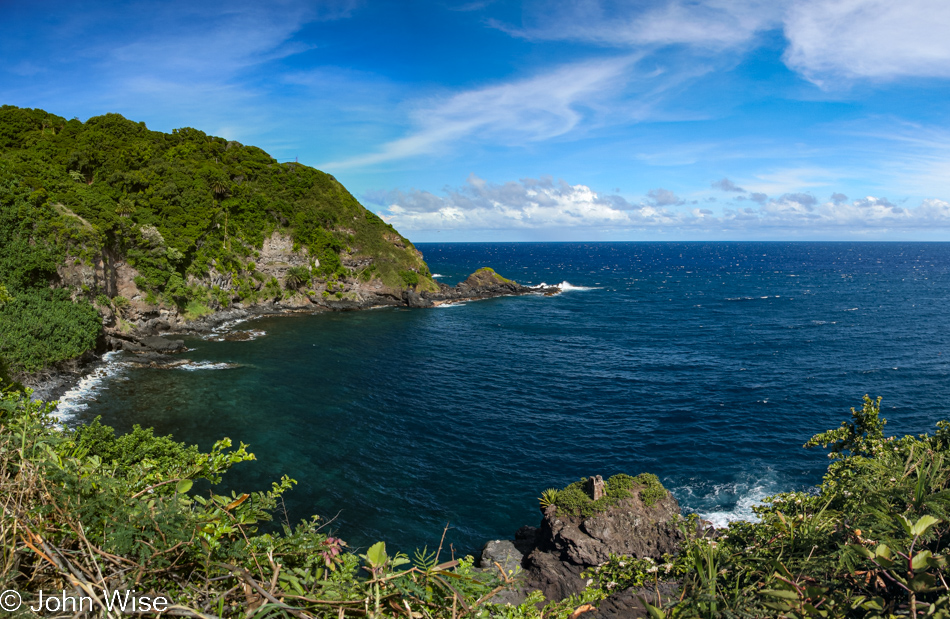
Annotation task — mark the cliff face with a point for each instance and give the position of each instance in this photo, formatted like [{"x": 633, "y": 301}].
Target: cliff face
[
  {"x": 565, "y": 545},
  {"x": 163, "y": 228},
  {"x": 578, "y": 532}
]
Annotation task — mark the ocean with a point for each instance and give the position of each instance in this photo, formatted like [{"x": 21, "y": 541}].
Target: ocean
[{"x": 708, "y": 364}]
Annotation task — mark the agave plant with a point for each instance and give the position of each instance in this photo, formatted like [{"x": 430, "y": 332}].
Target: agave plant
[{"x": 548, "y": 497}]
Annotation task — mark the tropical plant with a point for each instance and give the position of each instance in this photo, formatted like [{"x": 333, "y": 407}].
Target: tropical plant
[
  {"x": 548, "y": 498},
  {"x": 296, "y": 277},
  {"x": 125, "y": 208}
]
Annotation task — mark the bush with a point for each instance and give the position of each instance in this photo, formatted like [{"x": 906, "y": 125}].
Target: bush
[
  {"x": 42, "y": 327},
  {"x": 574, "y": 500},
  {"x": 296, "y": 277},
  {"x": 195, "y": 309},
  {"x": 409, "y": 278}
]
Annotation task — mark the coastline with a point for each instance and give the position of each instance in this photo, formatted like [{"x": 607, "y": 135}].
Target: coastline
[{"x": 152, "y": 337}]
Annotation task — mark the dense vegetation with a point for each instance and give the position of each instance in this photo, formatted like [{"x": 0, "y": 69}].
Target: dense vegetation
[
  {"x": 871, "y": 541},
  {"x": 39, "y": 326},
  {"x": 89, "y": 512},
  {"x": 574, "y": 500},
  {"x": 178, "y": 207}
]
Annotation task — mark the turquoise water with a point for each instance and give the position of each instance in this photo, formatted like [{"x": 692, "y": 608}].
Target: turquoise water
[{"x": 708, "y": 364}]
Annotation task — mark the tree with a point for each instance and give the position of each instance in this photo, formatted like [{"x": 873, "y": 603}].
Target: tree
[
  {"x": 296, "y": 277},
  {"x": 220, "y": 190},
  {"x": 126, "y": 208}
]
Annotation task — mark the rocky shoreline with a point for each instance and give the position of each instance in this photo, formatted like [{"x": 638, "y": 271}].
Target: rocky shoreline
[{"x": 149, "y": 333}]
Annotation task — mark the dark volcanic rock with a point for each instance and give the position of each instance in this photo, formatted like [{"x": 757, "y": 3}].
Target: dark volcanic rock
[
  {"x": 160, "y": 344},
  {"x": 566, "y": 545},
  {"x": 502, "y": 552},
  {"x": 628, "y": 604},
  {"x": 482, "y": 284},
  {"x": 414, "y": 299}
]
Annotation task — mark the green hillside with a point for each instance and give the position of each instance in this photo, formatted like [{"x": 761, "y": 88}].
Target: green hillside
[{"x": 176, "y": 207}]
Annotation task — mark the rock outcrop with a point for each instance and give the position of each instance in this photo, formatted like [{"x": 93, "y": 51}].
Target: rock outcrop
[
  {"x": 554, "y": 554},
  {"x": 484, "y": 283}
]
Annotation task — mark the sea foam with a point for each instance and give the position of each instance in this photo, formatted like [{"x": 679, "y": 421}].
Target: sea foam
[
  {"x": 206, "y": 365},
  {"x": 90, "y": 385}
]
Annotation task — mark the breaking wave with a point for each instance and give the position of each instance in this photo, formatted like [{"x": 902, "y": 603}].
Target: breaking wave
[
  {"x": 89, "y": 386},
  {"x": 192, "y": 366}
]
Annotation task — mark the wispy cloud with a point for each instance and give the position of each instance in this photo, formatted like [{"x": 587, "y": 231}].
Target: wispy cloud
[
  {"x": 827, "y": 39},
  {"x": 526, "y": 110},
  {"x": 877, "y": 39},
  {"x": 715, "y": 24},
  {"x": 183, "y": 62}
]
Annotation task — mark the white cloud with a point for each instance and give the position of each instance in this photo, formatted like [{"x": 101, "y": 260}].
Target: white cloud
[
  {"x": 532, "y": 109},
  {"x": 526, "y": 204},
  {"x": 827, "y": 39},
  {"x": 531, "y": 204},
  {"x": 663, "y": 197},
  {"x": 804, "y": 213},
  {"x": 868, "y": 38}
]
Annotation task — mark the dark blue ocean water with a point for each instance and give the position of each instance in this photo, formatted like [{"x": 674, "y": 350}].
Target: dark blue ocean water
[{"x": 708, "y": 364}]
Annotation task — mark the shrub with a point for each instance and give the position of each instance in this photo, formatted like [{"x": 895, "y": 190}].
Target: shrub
[
  {"x": 409, "y": 278},
  {"x": 296, "y": 277},
  {"x": 195, "y": 309},
  {"x": 574, "y": 500},
  {"x": 42, "y": 327}
]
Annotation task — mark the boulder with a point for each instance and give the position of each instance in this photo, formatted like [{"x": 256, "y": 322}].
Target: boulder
[
  {"x": 160, "y": 344},
  {"x": 628, "y": 603},
  {"x": 504, "y": 553}
]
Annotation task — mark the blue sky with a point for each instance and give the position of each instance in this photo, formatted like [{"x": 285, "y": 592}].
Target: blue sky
[{"x": 462, "y": 120}]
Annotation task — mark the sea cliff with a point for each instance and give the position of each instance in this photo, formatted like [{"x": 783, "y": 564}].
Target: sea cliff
[{"x": 111, "y": 234}]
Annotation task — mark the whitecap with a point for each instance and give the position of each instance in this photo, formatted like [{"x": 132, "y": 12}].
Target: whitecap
[
  {"x": 565, "y": 286},
  {"x": 206, "y": 365},
  {"x": 728, "y": 502},
  {"x": 77, "y": 398},
  {"x": 217, "y": 333},
  {"x": 742, "y": 510},
  {"x": 434, "y": 275}
]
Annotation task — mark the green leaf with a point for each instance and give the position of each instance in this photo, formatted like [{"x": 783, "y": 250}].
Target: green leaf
[
  {"x": 376, "y": 555},
  {"x": 183, "y": 486},
  {"x": 883, "y": 551},
  {"x": 655, "y": 613},
  {"x": 785, "y": 595},
  {"x": 923, "y": 525},
  {"x": 922, "y": 583},
  {"x": 861, "y": 550},
  {"x": 921, "y": 560}
]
